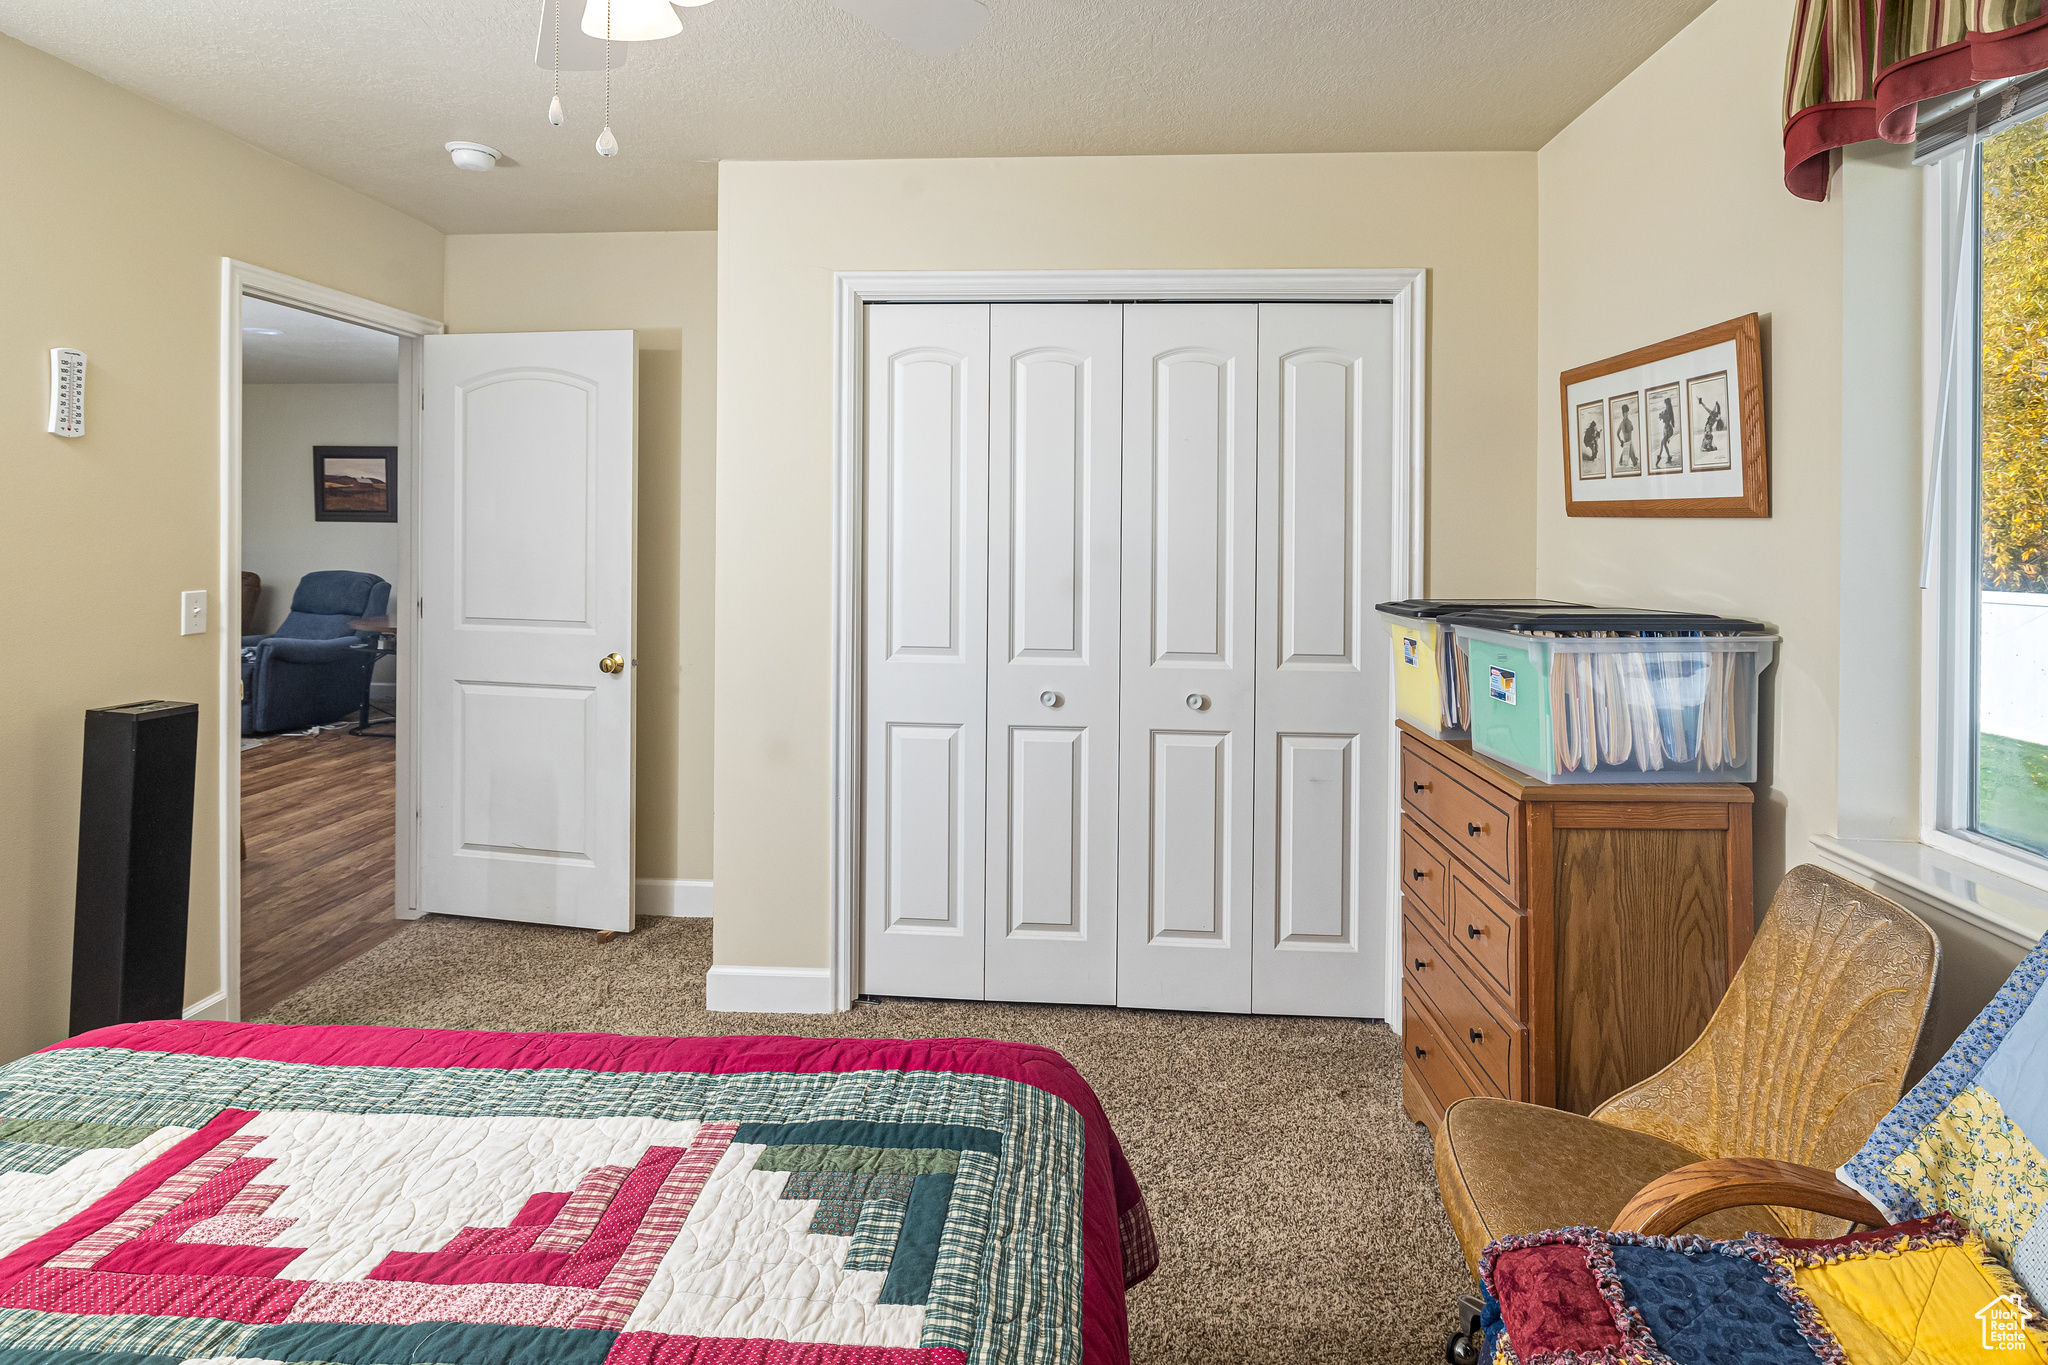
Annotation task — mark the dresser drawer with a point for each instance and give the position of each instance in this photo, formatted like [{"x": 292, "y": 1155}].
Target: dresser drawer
[
  {"x": 1425, "y": 874},
  {"x": 1491, "y": 1047},
  {"x": 1422, "y": 958},
  {"x": 1427, "y": 1059},
  {"x": 1488, "y": 934},
  {"x": 1421, "y": 782},
  {"x": 1477, "y": 825}
]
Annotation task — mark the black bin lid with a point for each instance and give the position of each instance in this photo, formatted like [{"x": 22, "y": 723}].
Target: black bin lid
[
  {"x": 1560, "y": 619},
  {"x": 1429, "y": 608}
]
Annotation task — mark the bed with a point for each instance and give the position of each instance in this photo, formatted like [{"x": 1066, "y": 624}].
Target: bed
[{"x": 191, "y": 1191}]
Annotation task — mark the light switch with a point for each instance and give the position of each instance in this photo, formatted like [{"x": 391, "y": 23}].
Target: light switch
[{"x": 192, "y": 612}]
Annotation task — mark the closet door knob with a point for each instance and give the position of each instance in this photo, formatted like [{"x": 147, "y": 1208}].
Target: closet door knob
[
  {"x": 1420, "y": 786},
  {"x": 1477, "y": 1035},
  {"x": 1417, "y": 873},
  {"x": 1472, "y": 830},
  {"x": 1420, "y": 1054},
  {"x": 1421, "y": 964},
  {"x": 612, "y": 663},
  {"x": 1050, "y": 699},
  {"x": 1197, "y": 702},
  {"x": 1472, "y": 931}
]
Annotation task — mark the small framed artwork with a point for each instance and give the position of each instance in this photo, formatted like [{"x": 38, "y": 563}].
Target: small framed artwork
[
  {"x": 1689, "y": 411},
  {"x": 1591, "y": 426},
  {"x": 1664, "y": 411},
  {"x": 355, "y": 483},
  {"x": 1706, "y": 410},
  {"x": 1625, "y": 433}
]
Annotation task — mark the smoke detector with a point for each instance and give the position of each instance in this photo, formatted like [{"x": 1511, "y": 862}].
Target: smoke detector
[{"x": 472, "y": 156}]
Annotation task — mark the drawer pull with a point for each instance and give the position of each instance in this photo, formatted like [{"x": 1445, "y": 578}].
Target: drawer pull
[
  {"x": 1418, "y": 874},
  {"x": 1420, "y": 786},
  {"x": 1473, "y": 830},
  {"x": 1474, "y": 931},
  {"x": 1420, "y": 1053},
  {"x": 1477, "y": 1035}
]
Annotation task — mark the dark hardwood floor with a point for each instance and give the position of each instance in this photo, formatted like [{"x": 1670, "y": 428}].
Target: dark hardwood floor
[{"x": 317, "y": 811}]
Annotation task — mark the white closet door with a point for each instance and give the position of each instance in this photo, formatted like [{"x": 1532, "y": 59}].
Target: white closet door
[
  {"x": 1324, "y": 717},
  {"x": 1055, "y": 429},
  {"x": 1185, "y": 865},
  {"x": 927, "y": 632}
]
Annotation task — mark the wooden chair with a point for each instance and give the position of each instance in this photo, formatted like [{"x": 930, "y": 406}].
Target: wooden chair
[{"x": 1805, "y": 1053}]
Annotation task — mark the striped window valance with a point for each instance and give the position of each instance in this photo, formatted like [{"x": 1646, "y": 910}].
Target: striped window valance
[{"x": 1857, "y": 69}]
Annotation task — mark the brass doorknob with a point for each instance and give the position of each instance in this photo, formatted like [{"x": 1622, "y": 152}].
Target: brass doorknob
[{"x": 612, "y": 663}]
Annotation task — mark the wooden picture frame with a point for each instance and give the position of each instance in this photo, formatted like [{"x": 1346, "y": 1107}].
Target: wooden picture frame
[
  {"x": 1653, "y": 371},
  {"x": 355, "y": 483}
]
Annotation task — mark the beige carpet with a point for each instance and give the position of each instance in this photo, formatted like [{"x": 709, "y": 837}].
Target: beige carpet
[{"x": 1297, "y": 1213}]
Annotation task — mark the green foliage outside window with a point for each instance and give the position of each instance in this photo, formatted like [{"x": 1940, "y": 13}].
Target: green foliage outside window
[{"x": 2015, "y": 374}]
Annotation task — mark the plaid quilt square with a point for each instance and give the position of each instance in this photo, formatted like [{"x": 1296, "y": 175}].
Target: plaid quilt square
[{"x": 164, "y": 1207}]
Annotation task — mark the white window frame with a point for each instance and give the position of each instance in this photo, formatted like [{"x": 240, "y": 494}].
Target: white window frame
[{"x": 1948, "y": 616}]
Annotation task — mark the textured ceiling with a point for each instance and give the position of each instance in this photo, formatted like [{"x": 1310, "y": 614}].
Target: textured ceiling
[
  {"x": 366, "y": 91},
  {"x": 283, "y": 345}
]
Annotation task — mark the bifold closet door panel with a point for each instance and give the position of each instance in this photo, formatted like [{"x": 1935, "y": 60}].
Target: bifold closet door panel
[
  {"x": 1189, "y": 577},
  {"x": 1055, "y": 431},
  {"x": 1324, "y": 714},
  {"x": 926, "y": 613}
]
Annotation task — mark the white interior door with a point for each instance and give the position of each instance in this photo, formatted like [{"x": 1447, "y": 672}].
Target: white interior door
[
  {"x": 1190, "y": 470},
  {"x": 525, "y": 574},
  {"x": 1055, "y": 430},
  {"x": 1325, "y": 483},
  {"x": 927, "y": 636}
]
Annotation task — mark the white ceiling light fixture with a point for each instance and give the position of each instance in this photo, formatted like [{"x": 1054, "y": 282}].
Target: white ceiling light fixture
[
  {"x": 936, "y": 28},
  {"x": 472, "y": 156},
  {"x": 631, "y": 21}
]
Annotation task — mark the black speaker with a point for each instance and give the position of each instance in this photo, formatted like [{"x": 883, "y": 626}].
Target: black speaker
[{"x": 134, "y": 864}]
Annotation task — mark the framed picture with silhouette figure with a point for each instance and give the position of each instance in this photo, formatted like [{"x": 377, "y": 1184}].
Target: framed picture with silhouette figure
[{"x": 1689, "y": 412}]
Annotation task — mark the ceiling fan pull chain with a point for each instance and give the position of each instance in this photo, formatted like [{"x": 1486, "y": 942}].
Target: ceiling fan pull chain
[
  {"x": 607, "y": 145},
  {"x": 555, "y": 104}
]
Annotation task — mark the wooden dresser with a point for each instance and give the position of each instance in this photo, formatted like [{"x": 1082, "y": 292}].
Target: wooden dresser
[{"x": 1559, "y": 942}]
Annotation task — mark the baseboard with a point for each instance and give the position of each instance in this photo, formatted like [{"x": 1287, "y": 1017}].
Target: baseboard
[
  {"x": 769, "y": 990},
  {"x": 214, "y": 1006},
  {"x": 672, "y": 899}
]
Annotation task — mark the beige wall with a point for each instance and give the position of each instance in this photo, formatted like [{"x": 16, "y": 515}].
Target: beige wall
[
  {"x": 281, "y": 423},
  {"x": 662, "y": 285},
  {"x": 119, "y": 255},
  {"x": 1621, "y": 264},
  {"x": 784, "y": 228}
]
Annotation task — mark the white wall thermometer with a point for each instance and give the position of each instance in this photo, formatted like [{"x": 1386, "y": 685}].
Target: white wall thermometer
[{"x": 67, "y": 392}]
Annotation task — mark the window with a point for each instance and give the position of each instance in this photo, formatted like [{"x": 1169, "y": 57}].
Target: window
[{"x": 1988, "y": 522}]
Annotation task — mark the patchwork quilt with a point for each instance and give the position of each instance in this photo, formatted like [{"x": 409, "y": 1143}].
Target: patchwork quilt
[
  {"x": 181, "y": 1193},
  {"x": 1926, "y": 1292},
  {"x": 1969, "y": 1138}
]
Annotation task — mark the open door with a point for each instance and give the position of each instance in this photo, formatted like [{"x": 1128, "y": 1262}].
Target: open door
[{"x": 524, "y": 638}]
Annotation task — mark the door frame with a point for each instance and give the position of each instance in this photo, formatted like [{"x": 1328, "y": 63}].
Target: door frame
[
  {"x": 1406, "y": 290},
  {"x": 237, "y": 279}
]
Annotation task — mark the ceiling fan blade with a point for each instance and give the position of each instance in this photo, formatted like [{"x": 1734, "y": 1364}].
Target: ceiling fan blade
[
  {"x": 580, "y": 51},
  {"x": 936, "y": 28}
]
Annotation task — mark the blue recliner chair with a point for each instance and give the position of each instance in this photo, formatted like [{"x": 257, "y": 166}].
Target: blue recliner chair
[{"x": 315, "y": 670}]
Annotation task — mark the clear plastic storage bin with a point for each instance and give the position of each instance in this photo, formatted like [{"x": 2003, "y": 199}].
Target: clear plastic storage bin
[
  {"x": 1629, "y": 708},
  {"x": 1429, "y": 661}
]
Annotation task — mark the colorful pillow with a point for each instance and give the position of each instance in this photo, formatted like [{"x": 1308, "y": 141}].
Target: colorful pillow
[
  {"x": 1922, "y": 1293},
  {"x": 1969, "y": 1138}
]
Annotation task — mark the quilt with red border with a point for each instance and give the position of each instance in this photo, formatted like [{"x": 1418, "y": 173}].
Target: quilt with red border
[{"x": 197, "y": 1193}]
